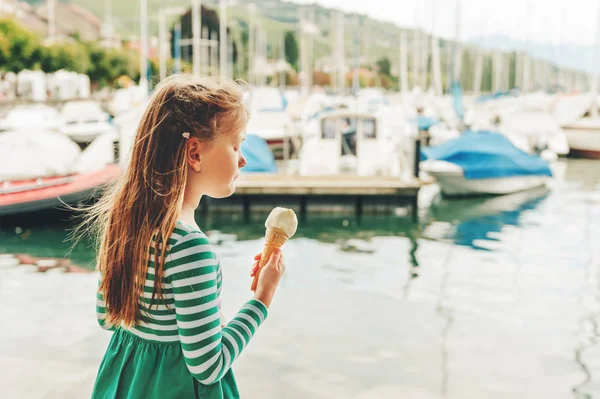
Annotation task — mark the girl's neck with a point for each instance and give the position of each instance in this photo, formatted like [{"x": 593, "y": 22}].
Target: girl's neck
[{"x": 186, "y": 215}]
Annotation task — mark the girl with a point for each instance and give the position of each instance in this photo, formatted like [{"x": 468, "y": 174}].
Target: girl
[{"x": 160, "y": 279}]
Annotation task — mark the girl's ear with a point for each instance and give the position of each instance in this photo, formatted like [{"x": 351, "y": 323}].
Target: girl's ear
[{"x": 194, "y": 149}]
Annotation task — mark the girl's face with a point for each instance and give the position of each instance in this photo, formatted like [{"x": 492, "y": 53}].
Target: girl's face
[{"x": 220, "y": 165}]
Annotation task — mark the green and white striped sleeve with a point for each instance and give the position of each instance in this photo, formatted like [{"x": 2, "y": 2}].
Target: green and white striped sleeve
[
  {"x": 101, "y": 309},
  {"x": 208, "y": 348}
]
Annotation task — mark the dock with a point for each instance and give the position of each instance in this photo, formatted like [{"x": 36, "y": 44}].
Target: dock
[{"x": 307, "y": 194}]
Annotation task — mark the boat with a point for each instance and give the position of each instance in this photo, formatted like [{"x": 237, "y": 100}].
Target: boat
[
  {"x": 42, "y": 170},
  {"x": 258, "y": 155},
  {"x": 539, "y": 129},
  {"x": 583, "y": 136},
  {"x": 480, "y": 163},
  {"x": 84, "y": 121},
  {"x": 31, "y": 117},
  {"x": 32, "y": 154},
  {"x": 269, "y": 119},
  {"x": 581, "y": 129},
  {"x": 127, "y": 124},
  {"x": 364, "y": 143},
  {"x": 52, "y": 192}
]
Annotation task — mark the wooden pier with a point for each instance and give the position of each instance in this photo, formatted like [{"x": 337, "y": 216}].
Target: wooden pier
[{"x": 304, "y": 193}]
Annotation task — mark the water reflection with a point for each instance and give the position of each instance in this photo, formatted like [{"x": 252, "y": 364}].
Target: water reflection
[
  {"x": 588, "y": 324},
  {"x": 46, "y": 235},
  {"x": 465, "y": 222},
  {"x": 445, "y": 312},
  {"x": 489, "y": 297},
  {"x": 470, "y": 221}
]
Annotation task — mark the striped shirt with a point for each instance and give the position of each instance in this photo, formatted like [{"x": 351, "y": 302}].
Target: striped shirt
[{"x": 189, "y": 311}]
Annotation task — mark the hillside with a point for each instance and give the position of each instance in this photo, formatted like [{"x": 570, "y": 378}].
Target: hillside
[
  {"x": 569, "y": 56},
  {"x": 276, "y": 16},
  {"x": 375, "y": 39}
]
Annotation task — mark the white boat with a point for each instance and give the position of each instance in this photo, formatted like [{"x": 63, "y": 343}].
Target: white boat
[
  {"x": 478, "y": 163},
  {"x": 583, "y": 136},
  {"x": 269, "y": 118},
  {"x": 84, "y": 121},
  {"x": 127, "y": 124},
  {"x": 539, "y": 130},
  {"x": 31, "y": 117},
  {"x": 582, "y": 131},
  {"x": 452, "y": 181},
  {"x": 35, "y": 154},
  {"x": 367, "y": 144},
  {"x": 126, "y": 99}
]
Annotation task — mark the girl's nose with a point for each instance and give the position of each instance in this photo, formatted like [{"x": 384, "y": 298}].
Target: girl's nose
[{"x": 242, "y": 161}]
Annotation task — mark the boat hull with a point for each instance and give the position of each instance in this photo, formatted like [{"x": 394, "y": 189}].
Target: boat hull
[
  {"x": 78, "y": 188},
  {"x": 584, "y": 141},
  {"x": 455, "y": 184}
]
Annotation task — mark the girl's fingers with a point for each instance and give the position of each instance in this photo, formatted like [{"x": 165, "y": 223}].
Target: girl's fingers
[
  {"x": 258, "y": 256},
  {"x": 254, "y": 269}
]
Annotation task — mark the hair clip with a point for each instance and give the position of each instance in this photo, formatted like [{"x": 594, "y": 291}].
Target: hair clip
[{"x": 186, "y": 135}]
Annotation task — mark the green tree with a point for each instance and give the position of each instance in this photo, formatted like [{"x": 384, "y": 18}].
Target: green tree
[
  {"x": 384, "y": 65},
  {"x": 19, "y": 48},
  {"x": 291, "y": 49},
  {"x": 99, "y": 70}
]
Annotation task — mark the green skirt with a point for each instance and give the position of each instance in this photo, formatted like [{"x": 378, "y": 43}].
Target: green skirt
[{"x": 134, "y": 367}]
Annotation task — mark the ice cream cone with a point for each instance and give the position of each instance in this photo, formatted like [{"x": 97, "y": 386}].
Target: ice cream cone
[{"x": 274, "y": 238}]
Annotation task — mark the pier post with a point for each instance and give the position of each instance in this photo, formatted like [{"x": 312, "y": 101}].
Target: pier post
[
  {"x": 414, "y": 208},
  {"x": 359, "y": 207},
  {"x": 246, "y": 205},
  {"x": 303, "y": 208},
  {"x": 417, "y": 155}
]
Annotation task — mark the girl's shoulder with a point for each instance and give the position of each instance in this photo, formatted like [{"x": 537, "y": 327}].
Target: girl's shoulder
[
  {"x": 184, "y": 232},
  {"x": 187, "y": 240}
]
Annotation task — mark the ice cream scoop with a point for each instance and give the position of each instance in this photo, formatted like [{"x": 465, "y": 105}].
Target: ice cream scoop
[
  {"x": 281, "y": 225},
  {"x": 283, "y": 219}
]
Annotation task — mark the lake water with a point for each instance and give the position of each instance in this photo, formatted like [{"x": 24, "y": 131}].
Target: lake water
[{"x": 490, "y": 297}]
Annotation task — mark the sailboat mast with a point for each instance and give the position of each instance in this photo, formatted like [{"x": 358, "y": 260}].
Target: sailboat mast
[
  {"x": 594, "y": 88},
  {"x": 455, "y": 67}
]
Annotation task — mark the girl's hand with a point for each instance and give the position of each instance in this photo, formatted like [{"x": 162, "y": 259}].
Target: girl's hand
[
  {"x": 269, "y": 278},
  {"x": 255, "y": 265}
]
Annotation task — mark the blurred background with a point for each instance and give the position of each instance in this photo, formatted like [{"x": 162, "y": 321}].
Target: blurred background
[{"x": 443, "y": 158}]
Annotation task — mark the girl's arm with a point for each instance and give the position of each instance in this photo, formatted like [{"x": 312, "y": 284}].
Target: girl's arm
[
  {"x": 101, "y": 309},
  {"x": 208, "y": 348}
]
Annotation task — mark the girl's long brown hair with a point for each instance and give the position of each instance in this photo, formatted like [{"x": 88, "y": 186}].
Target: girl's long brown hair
[{"x": 144, "y": 202}]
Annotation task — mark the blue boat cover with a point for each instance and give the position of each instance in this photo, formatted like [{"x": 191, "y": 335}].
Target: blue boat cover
[
  {"x": 258, "y": 155},
  {"x": 485, "y": 155}
]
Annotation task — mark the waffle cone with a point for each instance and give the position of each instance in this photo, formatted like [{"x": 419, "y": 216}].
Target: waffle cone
[{"x": 274, "y": 239}]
